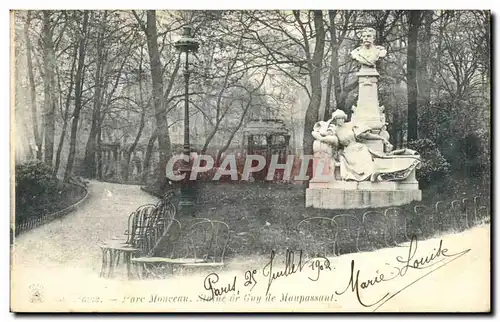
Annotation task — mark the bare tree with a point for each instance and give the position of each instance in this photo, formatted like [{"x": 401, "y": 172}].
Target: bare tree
[
  {"x": 50, "y": 100},
  {"x": 415, "y": 18},
  {"x": 79, "y": 80},
  {"x": 31, "y": 77},
  {"x": 66, "y": 110},
  {"x": 158, "y": 99}
]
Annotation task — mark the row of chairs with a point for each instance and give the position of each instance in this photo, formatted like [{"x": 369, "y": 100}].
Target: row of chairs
[
  {"x": 200, "y": 244},
  {"x": 347, "y": 233},
  {"x": 146, "y": 227}
]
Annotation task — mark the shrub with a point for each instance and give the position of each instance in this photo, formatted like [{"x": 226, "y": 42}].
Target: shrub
[
  {"x": 469, "y": 154},
  {"x": 34, "y": 177},
  {"x": 34, "y": 185},
  {"x": 434, "y": 166}
]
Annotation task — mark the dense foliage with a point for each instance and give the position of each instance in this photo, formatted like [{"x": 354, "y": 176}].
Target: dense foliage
[
  {"x": 34, "y": 182},
  {"x": 38, "y": 192},
  {"x": 433, "y": 166}
]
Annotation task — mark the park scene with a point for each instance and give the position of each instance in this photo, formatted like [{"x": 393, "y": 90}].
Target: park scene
[{"x": 151, "y": 144}]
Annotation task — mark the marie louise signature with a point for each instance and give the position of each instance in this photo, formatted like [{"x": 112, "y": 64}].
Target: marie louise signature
[
  {"x": 356, "y": 282},
  {"x": 433, "y": 261}
]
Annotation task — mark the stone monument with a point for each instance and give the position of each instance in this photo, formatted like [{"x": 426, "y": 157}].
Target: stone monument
[{"x": 355, "y": 165}]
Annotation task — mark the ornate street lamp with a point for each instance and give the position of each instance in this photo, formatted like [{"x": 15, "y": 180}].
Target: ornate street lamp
[{"x": 186, "y": 44}]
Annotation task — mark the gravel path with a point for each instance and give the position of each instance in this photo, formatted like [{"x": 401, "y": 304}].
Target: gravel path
[{"x": 73, "y": 241}]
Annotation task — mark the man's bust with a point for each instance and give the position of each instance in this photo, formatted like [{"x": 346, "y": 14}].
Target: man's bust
[{"x": 368, "y": 54}]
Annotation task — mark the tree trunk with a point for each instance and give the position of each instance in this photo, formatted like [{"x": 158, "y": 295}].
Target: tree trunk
[
  {"x": 423, "y": 80},
  {"x": 210, "y": 137},
  {"x": 333, "y": 75},
  {"x": 126, "y": 168},
  {"x": 66, "y": 113},
  {"x": 49, "y": 89},
  {"x": 142, "y": 123},
  {"x": 31, "y": 77},
  {"x": 233, "y": 132},
  {"x": 79, "y": 78},
  {"x": 414, "y": 23},
  {"x": 344, "y": 94},
  {"x": 219, "y": 116},
  {"x": 147, "y": 157},
  {"x": 90, "y": 148},
  {"x": 131, "y": 150},
  {"x": 98, "y": 154},
  {"x": 312, "y": 111},
  {"x": 157, "y": 82},
  {"x": 59, "y": 148}
]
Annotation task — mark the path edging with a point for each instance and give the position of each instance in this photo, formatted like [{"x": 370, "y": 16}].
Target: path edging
[{"x": 37, "y": 222}]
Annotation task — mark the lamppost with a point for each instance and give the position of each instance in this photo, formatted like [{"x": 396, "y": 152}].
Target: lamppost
[{"x": 186, "y": 44}]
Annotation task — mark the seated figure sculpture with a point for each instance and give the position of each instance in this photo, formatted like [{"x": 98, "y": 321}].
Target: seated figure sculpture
[{"x": 357, "y": 161}]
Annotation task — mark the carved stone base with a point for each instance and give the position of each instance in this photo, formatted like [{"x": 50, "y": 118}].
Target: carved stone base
[
  {"x": 334, "y": 178},
  {"x": 354, "y": 195},
  {"x": 364, "y": 185}
]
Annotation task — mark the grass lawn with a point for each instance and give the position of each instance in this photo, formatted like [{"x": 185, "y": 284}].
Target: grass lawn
[{"x": 263, "y": 217}]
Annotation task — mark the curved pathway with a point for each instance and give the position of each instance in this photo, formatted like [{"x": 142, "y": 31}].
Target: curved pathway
[{"x": 73, "y": 240}]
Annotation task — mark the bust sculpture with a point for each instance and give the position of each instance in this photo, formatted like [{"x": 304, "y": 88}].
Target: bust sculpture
[{"x": 368, "y": 54}]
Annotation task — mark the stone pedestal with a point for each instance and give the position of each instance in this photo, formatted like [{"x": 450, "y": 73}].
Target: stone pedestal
[
  {"x": 359, "y": 195},
  {"x": 367, "y": 110}
]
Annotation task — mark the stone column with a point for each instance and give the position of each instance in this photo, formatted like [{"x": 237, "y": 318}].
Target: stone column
[{"x": 367, "y": 110}]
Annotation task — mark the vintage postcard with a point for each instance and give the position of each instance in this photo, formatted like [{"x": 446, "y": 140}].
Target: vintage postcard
[{"x": 250, "y": 161}]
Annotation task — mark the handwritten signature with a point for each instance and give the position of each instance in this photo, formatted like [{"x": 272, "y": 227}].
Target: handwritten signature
[{"x": 441, "y": 256}]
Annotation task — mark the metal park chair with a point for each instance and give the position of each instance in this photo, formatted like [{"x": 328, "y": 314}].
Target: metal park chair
[
  {"x": 376, "y": 230},
  {"x": 202, "y": 244},
  {"x": 143, "y": 227},
  {"x": 397, "y": 222},
  {"x": 470, "y": 215},
  {"x": 444, "y": 215},
  {"x": 459, "y": 216},
  {"x": 166, "y": 212},
  {"x": 317, "y": 236},
  {"x": 427, "y": 218},
  {"x": 139, "y": 239},
  {"x": 347, "y": 233},
  {"x": 481, "y": 211},
  {"x": 136, "y": 240},
  {"x": 157, "y": 266},
  {"x": 213, "y": 258}
]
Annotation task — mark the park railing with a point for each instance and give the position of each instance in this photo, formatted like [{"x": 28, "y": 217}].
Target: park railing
[
  {"x": 77, "y": 191},
  {"x": 368, "y": 230}
]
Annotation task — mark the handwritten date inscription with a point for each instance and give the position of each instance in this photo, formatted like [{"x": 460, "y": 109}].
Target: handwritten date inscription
[
  {"x": 217, "y": 288},
  {"x": 291, "y": 267}
]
